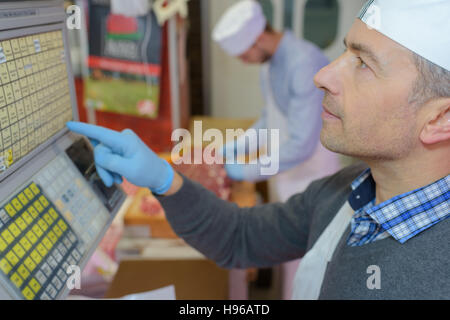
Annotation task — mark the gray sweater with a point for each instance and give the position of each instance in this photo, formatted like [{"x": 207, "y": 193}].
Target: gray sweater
[{"x": 270, "y": 234}]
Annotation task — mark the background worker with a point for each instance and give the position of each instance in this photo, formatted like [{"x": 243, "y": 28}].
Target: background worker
[{"x": 293, "y": 103}]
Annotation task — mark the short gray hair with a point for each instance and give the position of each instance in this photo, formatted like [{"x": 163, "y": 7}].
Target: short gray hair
[{"x": 432, "y": 82}]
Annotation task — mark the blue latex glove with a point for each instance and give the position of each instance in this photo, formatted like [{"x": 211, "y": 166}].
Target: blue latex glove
[
  {"x": 125, "y": 155},
  {"x": 105, "y": 175},
  {"x": 235, "y": 171}
]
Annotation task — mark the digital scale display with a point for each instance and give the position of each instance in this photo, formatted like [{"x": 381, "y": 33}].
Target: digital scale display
[{"x": 34, "y": 93}]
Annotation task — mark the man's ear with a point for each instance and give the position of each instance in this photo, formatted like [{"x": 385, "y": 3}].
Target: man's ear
[{"x": 438, "y": 128}]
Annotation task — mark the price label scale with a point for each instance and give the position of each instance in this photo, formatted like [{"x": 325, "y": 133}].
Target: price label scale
[{"x": 54, "y": 208}]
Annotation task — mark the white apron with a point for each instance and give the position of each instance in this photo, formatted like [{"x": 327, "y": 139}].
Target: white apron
[
  {"x": 285, "y": 184},
  {"x": 309, "y": 276}
]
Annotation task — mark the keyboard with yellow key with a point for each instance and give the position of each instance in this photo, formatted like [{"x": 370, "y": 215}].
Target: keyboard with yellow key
[{"x": 36, "y": 244}]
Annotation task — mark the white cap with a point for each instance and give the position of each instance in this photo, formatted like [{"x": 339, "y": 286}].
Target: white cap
[
  {"x": 239, "y": 27},
  {"x": 422, "y": 26}
]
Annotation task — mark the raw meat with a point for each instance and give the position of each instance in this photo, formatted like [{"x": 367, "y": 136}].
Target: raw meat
[{"x": 212, "y": 177}]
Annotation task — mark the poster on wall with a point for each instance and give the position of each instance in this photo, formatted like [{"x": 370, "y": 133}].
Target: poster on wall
[{"x": 124, "y": 62}]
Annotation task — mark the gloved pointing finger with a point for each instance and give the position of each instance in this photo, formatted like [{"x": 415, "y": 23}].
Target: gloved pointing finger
[
  {"x": 108, "y": 137},
  {"x": 124, "y": 154}
]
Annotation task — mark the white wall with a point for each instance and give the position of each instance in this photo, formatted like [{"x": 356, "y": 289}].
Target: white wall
[{"x": 235, "y": 91}]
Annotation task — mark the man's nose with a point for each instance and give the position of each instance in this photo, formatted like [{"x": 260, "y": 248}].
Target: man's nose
[{"x": 328, "y": 77}]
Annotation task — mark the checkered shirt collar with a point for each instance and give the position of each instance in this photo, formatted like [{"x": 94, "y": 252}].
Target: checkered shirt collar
[{"x": 405, "y": 215}]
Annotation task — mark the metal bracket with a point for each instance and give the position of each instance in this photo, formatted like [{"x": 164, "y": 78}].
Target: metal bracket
[{"x": 164, "y": 9}]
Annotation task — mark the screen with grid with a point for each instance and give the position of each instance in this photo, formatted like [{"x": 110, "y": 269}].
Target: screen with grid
[{"x": 35, "y": 99}]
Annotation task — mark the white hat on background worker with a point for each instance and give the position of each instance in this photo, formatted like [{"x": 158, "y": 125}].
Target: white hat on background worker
[
  {"x": 240, "y": 27},
  {"x": 422, "y": 26}
]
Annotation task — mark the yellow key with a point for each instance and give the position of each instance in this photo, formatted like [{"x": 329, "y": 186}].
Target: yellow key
[
  {"x": 11, "y": 211},
  {"x": 41, "y": 249},
  {"x": 34, "y": 284},
  {"x": 47, "y": 243},
  {"x": 5, "y": 266},
  {"x": 43, "y": 201},
  {"x": 62, "y": 225},
  {"x": 38, "y": 206},
  {"x": 35, "y": 189},
  {"x": 16, "y": 279},
  {"x": 21, "y": 223},
  {"x": 29, "y": 193},
  {"x": 27, "y": 218},
  {"x": 48, "y": 219},
  {"x": 16, "y": 90},
  {"x": 53, "y": 213},
  {"x": 16, "y": 203},
  {"x": 42, "y": 224},
  {"x": 57, "y": 230},
  {"x": 14, "y": 229},
  {"x": 36, "y": 256},
  {"x": 9, "y": 93},
  {"x": 25, "y": 243},
  {"x": 7, "y": 236},
  {"x": 16, "y": 48},
  {"x": 8, "y": 50},
  {"x": 33, "y": 212},
  {"x": 30, "y": 264},
  {"x": 37, "y": 230},
  {"x": 23, "y": 271},
  {"x": 31, "y": 236},
  {"x": 19, "y": 250},
  {"x": 28, "y": 293},
  {"x": 23, "y": 198},
  {"x": 52, "y": 236},
  {"x": 3, "y": 245},
  {"x": 12, "y": 258}
]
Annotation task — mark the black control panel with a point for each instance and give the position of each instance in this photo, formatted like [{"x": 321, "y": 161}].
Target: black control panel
[{"x": 82, "y": 156}]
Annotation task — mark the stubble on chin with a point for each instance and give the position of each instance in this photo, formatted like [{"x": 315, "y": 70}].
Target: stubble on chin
[{"x": 330, "y": 141}]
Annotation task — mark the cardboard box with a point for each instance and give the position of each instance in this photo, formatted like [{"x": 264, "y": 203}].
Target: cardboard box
[{"x": 194, "y": 279}]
